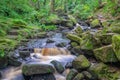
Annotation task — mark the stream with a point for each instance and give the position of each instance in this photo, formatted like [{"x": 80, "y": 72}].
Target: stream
[{"x": 53, "y": 40}]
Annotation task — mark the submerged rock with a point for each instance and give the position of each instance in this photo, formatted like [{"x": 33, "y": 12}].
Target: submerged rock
[
  {"x": 71, "y": 74},
  {"x": 62, "y": 44},
  {"x": 105, "y": 54},
  {"x": 58, "y": 66},
  {"x": 50, "y": 41},
  {"x": 31, "y": 69},
  {"x": 79, "y": 76},
  {"x": 81, "y": 63},
  {"x": 116, "y": 45}
]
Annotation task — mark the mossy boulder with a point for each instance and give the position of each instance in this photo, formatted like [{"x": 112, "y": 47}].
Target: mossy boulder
[
  {"x": 59, "y": 67},
  {"x": 81, "y": 63},
  {"x": 104, "y": 72},
  {"x": 95, "y": 23},
  {"x": 74, "y": 38},
  {"x": 71, "y": 74},
  {"x": 36, "y": 68},
  {"x": 79, "y": 76},
  {"x": 87, "y": 42},
  {"x": 78, "y": 30},
  {"x": 104, "y": 38},
  {"x": 116, "y": 45},
  {"x": 105, "y": 54}
]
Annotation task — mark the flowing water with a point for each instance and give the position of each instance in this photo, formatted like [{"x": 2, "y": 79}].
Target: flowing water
[{"x": 15, "y": 73}]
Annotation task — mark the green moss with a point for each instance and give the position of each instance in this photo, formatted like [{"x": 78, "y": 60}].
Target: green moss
[
  {"x": 95, "y": 23},
  {"x": 75, "y": 38},
  {"x": 105, "y": 54},
  {"x": 116, "y": 45},
  {"x": 81, "y": 62}
]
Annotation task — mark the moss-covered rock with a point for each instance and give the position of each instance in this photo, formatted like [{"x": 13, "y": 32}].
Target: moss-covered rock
[
  {"x": 79, "y": 76},
  {"x": 74, "y": 38},
  {"x": 104, "y": 72},
  {"x": 74, "y": 44},
  {"x": 105, "y": 54},
  {"x": 59, "y": 67},
  {"x": 31, "y": 69},
  {"x": 104, "y": 38},
  {"x": 3, "y": 61},
  {"x": 81, "y": 63},
  {"x": 116, "y": 45},
  {"x": 78, "y": 30},
  {"x": 71, "y": 74},
  {"x": 95, "y": 23}
]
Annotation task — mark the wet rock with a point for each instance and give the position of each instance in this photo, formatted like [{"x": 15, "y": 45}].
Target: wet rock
[
  {"x": 116, "y": 45},
  {"x": 105, "y": 54},
  {"x": 95, "y": 23},
  {"x": 14, "y": 62},
  {"x": 58, "y": 66},
  {"x": 62, "y": 44},
  {"x": 76, "y": 50},
  {"x": 79, "y": 76},
  {"x": 24, "y": 54},
  {"x": 35, "y": 68},
  {"x": 69, "y": 65},
  {"x": 40, "y": 77},
  {"x": 75, "y": 38},
  {"x": 0, "y": 75},
  {"x": 50, "y": 41},
  {"x": 81, "y": 63},
  {"x": 71, "y": 74},
  {"x": 3, "y": 62},
  {"x": 87, "y": 75}
]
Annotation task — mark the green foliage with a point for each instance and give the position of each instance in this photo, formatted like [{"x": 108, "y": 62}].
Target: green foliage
[
  {"x": 48, "y": 27},
  {"x": 2, "y": 53}
]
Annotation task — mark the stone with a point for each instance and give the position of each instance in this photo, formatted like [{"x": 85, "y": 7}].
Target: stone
[
  {"x": 116, "y": 45},
  {"x": 78, "y": 30},
  {"x": 71, "y": 74},
  {"x": 95, "y": 23},
  {"x": 35, "y": 68},
  {"x": 104, "y": 39},
  {"x": 74, "y": 38},
  {"x": 79, "y": 76},
  {"x": 40, "y": 77},
  {"x": 81, "y": 63},
  {"x": 74, "y": 44},
  {"x": 50, "y": 41},
  {"x": 69, "y": 65},
  {"x": 58, "y": 66},
  {"x": 14, "y": 62},
  {"x": 87, "y": 75},
  {"x": 62, "y": 44},
  {"x": 105, "y": 54},
  {"x": 3, "y": 62},
  {"x": 76, "y": 50},
  {"x": 24, "y": 54},
  {"x": 0, "y": 75}
]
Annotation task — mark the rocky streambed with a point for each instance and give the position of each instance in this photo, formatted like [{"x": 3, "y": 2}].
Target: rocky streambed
[{"x": 88, "y": 53}]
